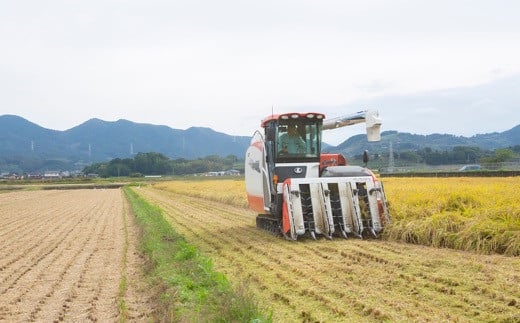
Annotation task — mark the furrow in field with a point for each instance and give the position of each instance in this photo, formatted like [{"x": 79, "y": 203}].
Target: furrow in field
[
  {"x": 48, "y": 281},
  {"x": 86, "y": 283},
  {"x": 77, "y": 273},
  {"x": 50, "y": 243},
  {"x": 11, "y": 205},
  {"x": 32, "y": 231},
  {"x": 44, "y": 247}
]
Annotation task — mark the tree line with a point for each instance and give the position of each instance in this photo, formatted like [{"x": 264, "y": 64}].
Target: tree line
[
  {"x": 458, "y": 155},
  {"x": 153, "y": 163}
]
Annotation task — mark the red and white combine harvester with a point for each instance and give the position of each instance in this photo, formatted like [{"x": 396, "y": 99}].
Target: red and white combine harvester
[{"x": 298, "y": 191}]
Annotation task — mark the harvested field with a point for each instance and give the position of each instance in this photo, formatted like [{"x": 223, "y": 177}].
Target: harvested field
[
  {"x": 69, "y": 255},
  {"x": 345, "y": 280}
]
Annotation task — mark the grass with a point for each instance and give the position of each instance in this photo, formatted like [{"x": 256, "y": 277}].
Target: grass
[
  {"x": 123, "y": 309},
  {"x": 190, "y": 290}
]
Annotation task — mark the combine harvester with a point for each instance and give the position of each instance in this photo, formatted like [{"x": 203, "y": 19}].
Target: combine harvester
[{"x": 299, "y": 191}]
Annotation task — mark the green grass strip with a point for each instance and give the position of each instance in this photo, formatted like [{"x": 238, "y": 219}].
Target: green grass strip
[
  {"x": 190, "y": 290},
  {"x": 123, "y": 309}
]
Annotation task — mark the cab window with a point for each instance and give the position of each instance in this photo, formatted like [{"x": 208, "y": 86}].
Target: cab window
[{"x": 296, "y": 139}]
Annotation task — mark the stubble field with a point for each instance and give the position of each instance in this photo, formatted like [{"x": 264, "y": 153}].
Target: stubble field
[
  {"x": 69, "y": 255},
  {"x": 338, "y": 280}
]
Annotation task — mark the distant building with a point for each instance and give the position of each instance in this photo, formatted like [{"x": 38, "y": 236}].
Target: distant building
[
  {"x": 52, "y": 174},
  {"x": 10, "y": 176},
  {"x": 231, "y": 172}
]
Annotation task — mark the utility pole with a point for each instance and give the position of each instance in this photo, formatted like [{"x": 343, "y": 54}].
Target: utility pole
[{"x": 391, "y": 162}]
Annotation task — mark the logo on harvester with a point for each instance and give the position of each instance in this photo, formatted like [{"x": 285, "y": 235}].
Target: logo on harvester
[
  {"x": 298, "y": 170},
  {"x": 255, "y": 165}
]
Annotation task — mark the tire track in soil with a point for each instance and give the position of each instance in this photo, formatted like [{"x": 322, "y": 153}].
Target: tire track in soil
[
  {"x": 74, "y": 270},
  {"x": 344, "y": 280}
]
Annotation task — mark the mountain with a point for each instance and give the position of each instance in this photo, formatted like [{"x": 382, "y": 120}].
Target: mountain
[
  {"x": 27, "y": 146},
  {"x": 96, "y": 140},
  {"x": 402, "y": 141}
]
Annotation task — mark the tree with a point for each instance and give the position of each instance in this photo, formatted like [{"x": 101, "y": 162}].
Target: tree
[
  {"x": 504, "y": 154},
  {"x": 157, "y": 164},
  {"x": 152, "y": 164}
]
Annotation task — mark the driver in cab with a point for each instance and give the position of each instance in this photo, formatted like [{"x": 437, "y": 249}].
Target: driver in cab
[{"x": 291, "y": 142}]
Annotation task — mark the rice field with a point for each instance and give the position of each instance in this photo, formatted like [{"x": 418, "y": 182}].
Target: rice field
[
  {"x": 340, "y": 280},
  {"x": 70, "y": 256},
  {"x": 469, "y": 213}
]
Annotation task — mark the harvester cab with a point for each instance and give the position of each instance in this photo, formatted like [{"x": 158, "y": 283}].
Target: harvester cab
[{"x": 298, "y": 191}]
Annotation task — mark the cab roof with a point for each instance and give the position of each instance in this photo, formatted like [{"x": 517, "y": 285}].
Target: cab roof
[{"x": 292, "y": 115}]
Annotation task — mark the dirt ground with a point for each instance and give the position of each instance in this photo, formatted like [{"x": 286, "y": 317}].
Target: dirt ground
[
  {"x": 65, "y": 255},
  {"x": 345, "y": 280}
]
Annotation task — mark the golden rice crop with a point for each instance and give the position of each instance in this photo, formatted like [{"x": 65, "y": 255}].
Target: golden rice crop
[
  {"x": 479, "y": 214},
  {"x": 229, "y": 191},
  {"x": 470, "y": 213}
]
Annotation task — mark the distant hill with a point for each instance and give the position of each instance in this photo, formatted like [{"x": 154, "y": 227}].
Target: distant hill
[
  {"x": 96, "y": 140},
  {"x": 406, "y": 141},
  {"x": 28, "y": 146}
]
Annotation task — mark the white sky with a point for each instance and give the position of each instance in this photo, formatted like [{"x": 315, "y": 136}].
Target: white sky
[{"x": 225, "y": 64}]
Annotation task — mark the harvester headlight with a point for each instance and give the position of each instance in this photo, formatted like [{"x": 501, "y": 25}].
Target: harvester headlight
[
  {"x": 310, "y": 116},
  {"x": 295, "y": 116},
  {"x": 319, "y": 116},
  {"x": 285, "y": 117}
]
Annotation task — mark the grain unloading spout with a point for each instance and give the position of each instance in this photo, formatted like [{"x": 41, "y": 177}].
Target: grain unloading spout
[
  {"x": 373, "y": 123},
  {"x": 370, "y": 117}
]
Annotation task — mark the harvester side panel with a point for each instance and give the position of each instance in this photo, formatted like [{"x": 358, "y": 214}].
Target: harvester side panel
[
  {"x": 292, "y": 211},
  {"x": 257, "y": 176},
  {"x": 382, "y": 205}
]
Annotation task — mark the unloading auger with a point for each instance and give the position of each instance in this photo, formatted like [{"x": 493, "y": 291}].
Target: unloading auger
[{"x": 299, "y": 191}]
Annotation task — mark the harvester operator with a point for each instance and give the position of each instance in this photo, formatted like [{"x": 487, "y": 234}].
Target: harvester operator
[{"x": 291, "y": 142}]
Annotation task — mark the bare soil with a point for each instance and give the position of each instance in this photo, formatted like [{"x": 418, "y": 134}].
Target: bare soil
[
  {"x": 345, "y": 280},
  {"x": 64, "y": 255}
]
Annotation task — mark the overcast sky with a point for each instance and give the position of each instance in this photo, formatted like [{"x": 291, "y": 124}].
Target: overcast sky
[{"x": 227, "y": 64}]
